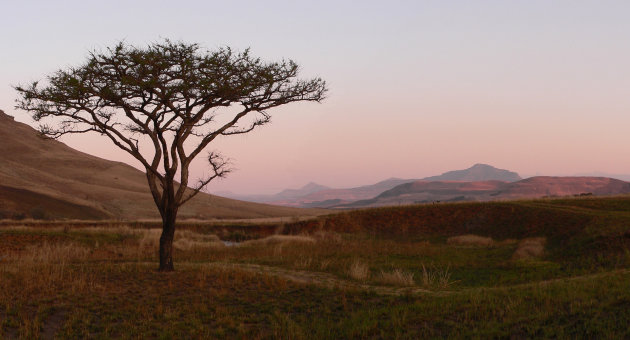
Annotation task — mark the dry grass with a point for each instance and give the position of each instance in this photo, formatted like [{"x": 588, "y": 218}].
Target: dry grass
[
  {"x": 396, "y": 277},
  {"x": 48, "y": 277},
  {"x": 278, "y": 239},
  {"x": 151, "y": 237},
  {"x": 470, "y": 240},
  {"x": 359, "y": 270},
  {"x": 303, "y": 262},
  {"x": 50, "y": 253},
  {"x": 327, "y": 236},
  {"x": 184, "y": 239},
  {"x": 530, "y": 248},
  {"x": 47, "y": 267},
  {"x": 436, "y": 277}
]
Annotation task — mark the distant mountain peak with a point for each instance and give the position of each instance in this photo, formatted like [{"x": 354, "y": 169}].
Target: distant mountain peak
[
  {"x": 309, "y": 188},
  {"x": 456, "y": 191},
  {"x": 477, "y": 172},
  {"x": 393, "y": 179},
  {"x": 313, "y": 185}
]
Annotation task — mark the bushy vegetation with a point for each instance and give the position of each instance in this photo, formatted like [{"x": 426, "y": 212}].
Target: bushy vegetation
[{"x": 548, "y": 268}]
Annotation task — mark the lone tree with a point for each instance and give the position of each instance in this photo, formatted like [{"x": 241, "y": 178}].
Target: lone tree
[{"x": 164, "y": 104}]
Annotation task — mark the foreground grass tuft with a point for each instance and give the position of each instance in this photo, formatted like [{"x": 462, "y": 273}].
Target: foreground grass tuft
[
  {"x": 359, "y": 270},
  {"x": 396, "y": 277}
]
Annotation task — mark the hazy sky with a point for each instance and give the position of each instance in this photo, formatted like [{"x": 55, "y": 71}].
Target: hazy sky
[{"x": 416, "y": 87}]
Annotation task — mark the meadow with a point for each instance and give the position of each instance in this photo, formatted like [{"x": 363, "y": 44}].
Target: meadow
[{"x": 521, "y": 269}]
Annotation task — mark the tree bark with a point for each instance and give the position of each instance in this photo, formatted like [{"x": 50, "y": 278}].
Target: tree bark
[{"x": 166, "y": 241}]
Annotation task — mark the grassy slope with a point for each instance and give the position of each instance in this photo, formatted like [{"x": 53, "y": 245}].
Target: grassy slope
[
  {"x": 107, "y": 189},
  {"x": 101, "y": 282},
  {"x": 571, "y": 226}
]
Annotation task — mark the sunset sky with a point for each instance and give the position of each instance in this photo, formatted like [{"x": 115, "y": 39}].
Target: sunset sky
[{"x": 416, "y": 87}]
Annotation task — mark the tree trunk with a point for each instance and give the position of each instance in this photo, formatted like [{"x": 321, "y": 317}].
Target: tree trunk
[{"x": 166, "y": 241}]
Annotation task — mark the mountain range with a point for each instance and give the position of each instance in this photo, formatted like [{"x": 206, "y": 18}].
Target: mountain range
[
  {"x": 481, "y": 182},
  {"x": 318, "y": 196},
  {"x": 456, "y": 191},
  {"x": 45, "y": 178},
  {"x": 284, "y": 195}
]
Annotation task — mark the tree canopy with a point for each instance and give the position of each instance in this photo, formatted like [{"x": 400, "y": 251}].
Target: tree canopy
[{"x": 164, "y": 104}]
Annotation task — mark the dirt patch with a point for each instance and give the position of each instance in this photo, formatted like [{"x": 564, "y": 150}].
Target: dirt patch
[
  {"x": 53, "y": 324},
  {"x": 470, "y": 240},
  {"x": 530, "y": 248}
]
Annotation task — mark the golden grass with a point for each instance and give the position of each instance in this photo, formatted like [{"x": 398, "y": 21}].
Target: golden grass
[
  {"x": 530, "y": 248},
  {"x": 59, "y": 253},
  {"x": 470, "y": 240},
  {"x": 396, "y": 277},
  {"x": 188, "y": 244},
  {"x": 327, "y": 236},
  {"x": 184, "y": 239},
  {"x": 359, "y": 270},
  {"x": 47, "y": 267}
]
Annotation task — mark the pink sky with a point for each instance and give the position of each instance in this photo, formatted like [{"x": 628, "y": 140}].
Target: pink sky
[{"x": 416, "y": 88}]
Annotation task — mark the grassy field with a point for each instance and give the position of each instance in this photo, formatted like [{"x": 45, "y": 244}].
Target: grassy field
[{"x": 524, "y": 269}]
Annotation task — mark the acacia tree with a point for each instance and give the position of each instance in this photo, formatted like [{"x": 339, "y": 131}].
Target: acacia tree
[{"x": 164, "y": 104}]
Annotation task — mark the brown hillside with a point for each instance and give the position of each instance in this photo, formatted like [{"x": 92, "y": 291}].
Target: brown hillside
[
  {"x": 534, "y": 187},
  {"x": 565, "y": 186},
  {"x": 85, "y": 186}
]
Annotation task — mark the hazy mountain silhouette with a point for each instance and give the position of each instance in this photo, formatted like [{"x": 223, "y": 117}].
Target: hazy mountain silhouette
[
  {"x": 315, "y": 195},
  {"x": 453, "y": 191},
  {"x": 289, "y": 194},
  {"x": 481, "y": 182},
  {"x": 331, "y": 197},
  {"x": 478, "y": 172},
  {"x": 284, "y": 195},
  {"x": 334, "y": 197},
  {"x": 47, "y": 178}
]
